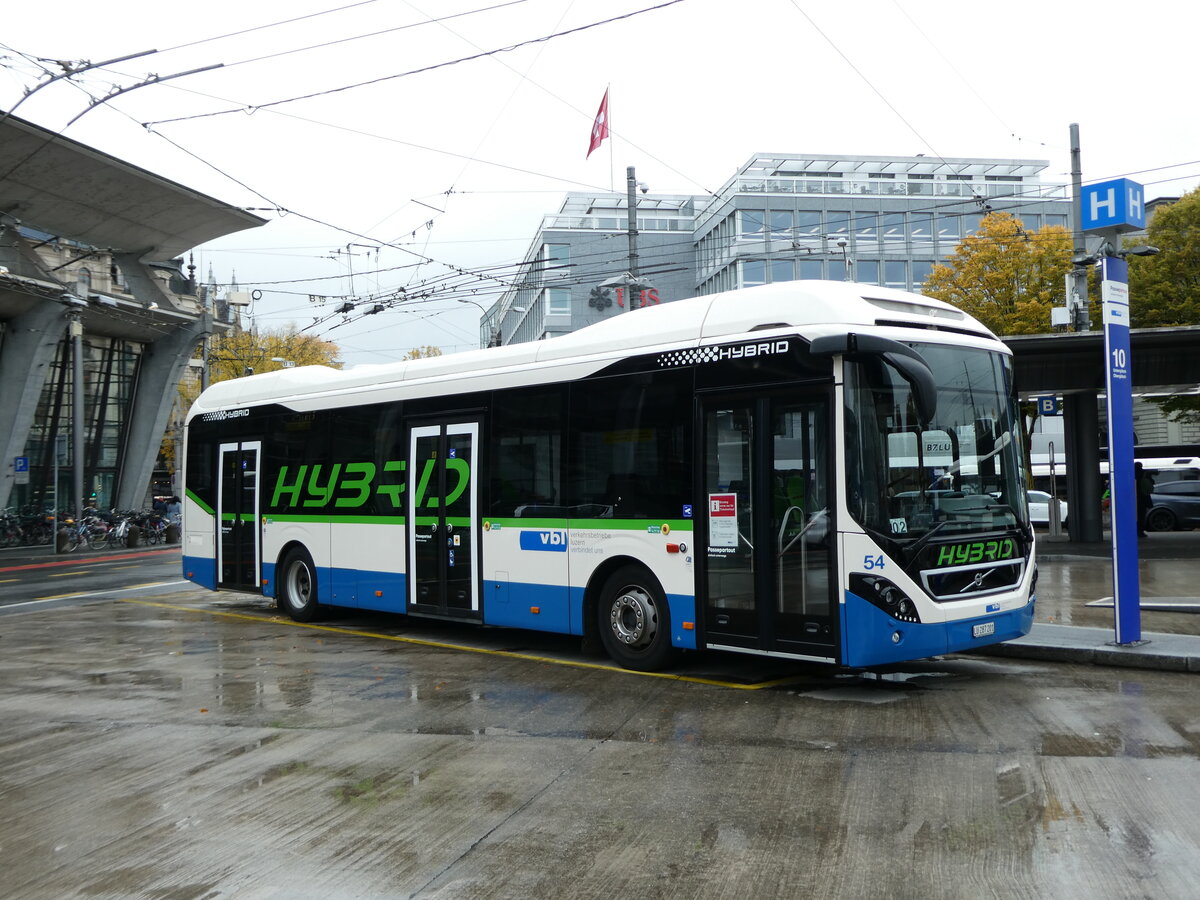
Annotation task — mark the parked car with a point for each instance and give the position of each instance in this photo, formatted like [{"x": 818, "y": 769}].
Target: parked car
[
  {"x": 1174, "y": 505},
  {"x": 1039, "y": 508}
]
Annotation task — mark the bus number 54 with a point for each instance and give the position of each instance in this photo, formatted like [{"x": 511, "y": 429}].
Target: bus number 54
[{"x": 873, "y": 562}]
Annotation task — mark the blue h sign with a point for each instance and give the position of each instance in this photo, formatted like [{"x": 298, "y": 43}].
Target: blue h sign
[{"x": 1116, "y": 206}]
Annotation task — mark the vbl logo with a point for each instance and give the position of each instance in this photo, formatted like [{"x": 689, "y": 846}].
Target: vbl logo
[{"x": 555, "y": 541}]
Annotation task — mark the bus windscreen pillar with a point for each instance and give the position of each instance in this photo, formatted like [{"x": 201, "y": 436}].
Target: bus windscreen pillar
[{"x": 1108, "y": 210}]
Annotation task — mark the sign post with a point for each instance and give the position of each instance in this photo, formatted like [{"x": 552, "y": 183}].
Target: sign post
[{"x": 1108, "y": 209}]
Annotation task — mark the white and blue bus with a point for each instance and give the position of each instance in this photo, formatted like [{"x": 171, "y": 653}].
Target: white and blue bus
[{"x": 823, "y": 471}]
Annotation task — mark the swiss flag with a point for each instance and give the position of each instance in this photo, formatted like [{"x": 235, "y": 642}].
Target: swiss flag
[{"x": 600, "y": 126}]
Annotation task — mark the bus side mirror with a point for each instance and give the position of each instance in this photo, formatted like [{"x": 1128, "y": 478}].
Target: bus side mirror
[{"x": 904, "y": 359}]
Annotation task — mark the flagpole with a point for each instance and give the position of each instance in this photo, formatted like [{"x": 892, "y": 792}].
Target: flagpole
[{"x": 612, "y": 178}]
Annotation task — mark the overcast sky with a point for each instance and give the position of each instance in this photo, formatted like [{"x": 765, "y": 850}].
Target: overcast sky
[{"x": 458, "y": 163}]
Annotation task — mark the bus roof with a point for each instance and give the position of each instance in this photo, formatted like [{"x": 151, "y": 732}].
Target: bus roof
[{"x": 813, "y": 308}]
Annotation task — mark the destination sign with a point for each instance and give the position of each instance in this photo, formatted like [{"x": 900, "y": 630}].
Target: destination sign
[{"x": 969, "y": 552}]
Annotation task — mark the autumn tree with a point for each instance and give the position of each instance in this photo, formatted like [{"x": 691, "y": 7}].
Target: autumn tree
[
  {"x": 1006, "y": 277},
  {"x": 1164, "y": 290},
  {"x": 423, "y": 352},
  {"x": 237, "y": 353}
]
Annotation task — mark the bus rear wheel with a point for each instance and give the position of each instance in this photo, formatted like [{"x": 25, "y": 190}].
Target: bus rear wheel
[
  {"x": 634, "y": 622},
  {"x": 297, "y": 586}
]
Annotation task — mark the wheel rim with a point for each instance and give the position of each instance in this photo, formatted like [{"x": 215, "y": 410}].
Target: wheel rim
[
  {"x": 299, "y": 586},
  {"x": 634, "y": 617}
]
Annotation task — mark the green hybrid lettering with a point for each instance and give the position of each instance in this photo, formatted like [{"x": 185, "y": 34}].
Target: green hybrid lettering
[{"x": 351, "y": 485}]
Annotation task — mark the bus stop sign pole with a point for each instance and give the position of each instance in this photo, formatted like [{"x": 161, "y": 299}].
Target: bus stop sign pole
[
  {"x": 1127, "y": 611},
  {"x": 1109, "y": 209}
]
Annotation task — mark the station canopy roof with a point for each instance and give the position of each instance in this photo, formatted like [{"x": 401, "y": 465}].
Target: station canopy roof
[{"x": 63, "y": 187}]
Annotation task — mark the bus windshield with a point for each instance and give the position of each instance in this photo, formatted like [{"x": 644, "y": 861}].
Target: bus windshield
[{"x": 959, "y": 474}]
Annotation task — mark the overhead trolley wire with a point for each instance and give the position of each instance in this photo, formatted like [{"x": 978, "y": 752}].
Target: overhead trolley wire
[{"x": 417, "y": 71}]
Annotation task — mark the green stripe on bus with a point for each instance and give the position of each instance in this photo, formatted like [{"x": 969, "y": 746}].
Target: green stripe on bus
[
  {"x": 337, "y": 520},
  {"x": 596, "y": 524},
  {"x": 200, "y": 503}
]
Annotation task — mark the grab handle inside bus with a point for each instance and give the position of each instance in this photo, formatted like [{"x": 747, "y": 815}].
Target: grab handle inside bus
[{"x": 904, "y": 359}]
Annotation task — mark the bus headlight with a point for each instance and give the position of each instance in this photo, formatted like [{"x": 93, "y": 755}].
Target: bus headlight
[{"x": 882, "y": 593}]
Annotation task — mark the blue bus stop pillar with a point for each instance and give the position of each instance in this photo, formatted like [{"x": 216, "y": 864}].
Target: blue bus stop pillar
[{"x": 1127, "y": 611}]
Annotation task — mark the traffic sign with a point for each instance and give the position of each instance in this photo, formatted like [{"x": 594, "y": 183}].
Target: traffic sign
[
  {"x": 1048, "y": 405},
  {"x": 21, "y": 469},
  {"x": 1112, "y": 206}
]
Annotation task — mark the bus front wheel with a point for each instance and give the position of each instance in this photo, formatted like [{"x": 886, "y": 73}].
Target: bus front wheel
[
  {"x": 634, "y": 622},
  {"x": 297, "y": 590}
]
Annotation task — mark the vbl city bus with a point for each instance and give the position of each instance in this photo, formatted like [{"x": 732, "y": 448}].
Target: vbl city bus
[{"x": 823, "y": 471}]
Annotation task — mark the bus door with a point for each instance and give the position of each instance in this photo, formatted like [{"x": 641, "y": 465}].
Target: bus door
[
  {"x": 768, "y": 541},
  {"x": 443, "y": 517},
  {"x": 239, "y": 543}
]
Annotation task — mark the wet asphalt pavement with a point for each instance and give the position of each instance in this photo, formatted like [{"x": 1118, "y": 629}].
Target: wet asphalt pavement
[{"x": 183, "y": 744}]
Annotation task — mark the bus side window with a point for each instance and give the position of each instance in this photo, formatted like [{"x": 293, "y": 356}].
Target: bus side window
[{"x": 526, "y": 452}]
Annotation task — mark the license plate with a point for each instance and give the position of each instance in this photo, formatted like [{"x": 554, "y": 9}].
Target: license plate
[{"x": 983, "y": 630}]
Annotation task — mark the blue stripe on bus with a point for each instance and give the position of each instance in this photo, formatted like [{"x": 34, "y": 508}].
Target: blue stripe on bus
[
  {"x": 202, "y": 570},
  {"x": 868, "y": 633},
  {"x": 505, "y": 603}
]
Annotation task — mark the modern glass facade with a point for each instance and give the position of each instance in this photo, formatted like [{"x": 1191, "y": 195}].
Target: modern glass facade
[
  {"x": 875, "y": 220},
  {"x": 109, "y": 377}
]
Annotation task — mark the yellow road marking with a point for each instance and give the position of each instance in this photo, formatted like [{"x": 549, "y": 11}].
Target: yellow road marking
[
  {"x": 62, "y": 596},
  {"x": 8, "y": 580},
  {"x": 443, "y": 645},
  {"x": 74, "y": 572}
]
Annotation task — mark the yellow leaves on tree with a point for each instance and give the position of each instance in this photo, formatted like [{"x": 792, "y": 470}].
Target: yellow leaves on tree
[{"x": 1006, "y": 277}]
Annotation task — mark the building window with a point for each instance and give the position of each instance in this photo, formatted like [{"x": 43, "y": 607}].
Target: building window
[
  {"x": 893, "y": 227},
  {"x": 866, "y": 226},
  {"x": 921, "y": 270},
  {"x": 809, "y": 269},
  {"x": 920, "y": 227},
  {"x": 895, "y": 273},
  {"x": 83, "y": 283},
  {"x": 808, "y": 224},
  {"x": 837, "y": 270},
  {"x": 558, "y": 301},
  {"x": 781, "y": 223},
  {"x": 837, "y": 223},
  {"x": 866, "y": 271},
  {"x": 1059, "y": 221},
  {"x": 751, "y": 224},
  {"x": 754, "y": 272},
  {"x": 949, "y": 228},
  {"x": 782, "y": 270},
  {"x": 555, "y": 259}
]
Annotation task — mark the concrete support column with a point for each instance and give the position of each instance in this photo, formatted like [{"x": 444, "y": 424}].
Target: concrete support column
[
  {"x": 1084, "y": 485},
  {"x": 30, "y": 342},
  {"x": 161, "y": 368}
]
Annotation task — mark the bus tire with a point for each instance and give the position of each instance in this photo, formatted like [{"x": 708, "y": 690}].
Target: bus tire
[
  {"x": 633, "y": 620},
  {"x": 296, "y": 591}
]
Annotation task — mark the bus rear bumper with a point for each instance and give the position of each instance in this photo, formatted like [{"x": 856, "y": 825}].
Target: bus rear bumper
[
  {"x": 202, "y": 570},
  {"x": 874, "y": 638}
]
